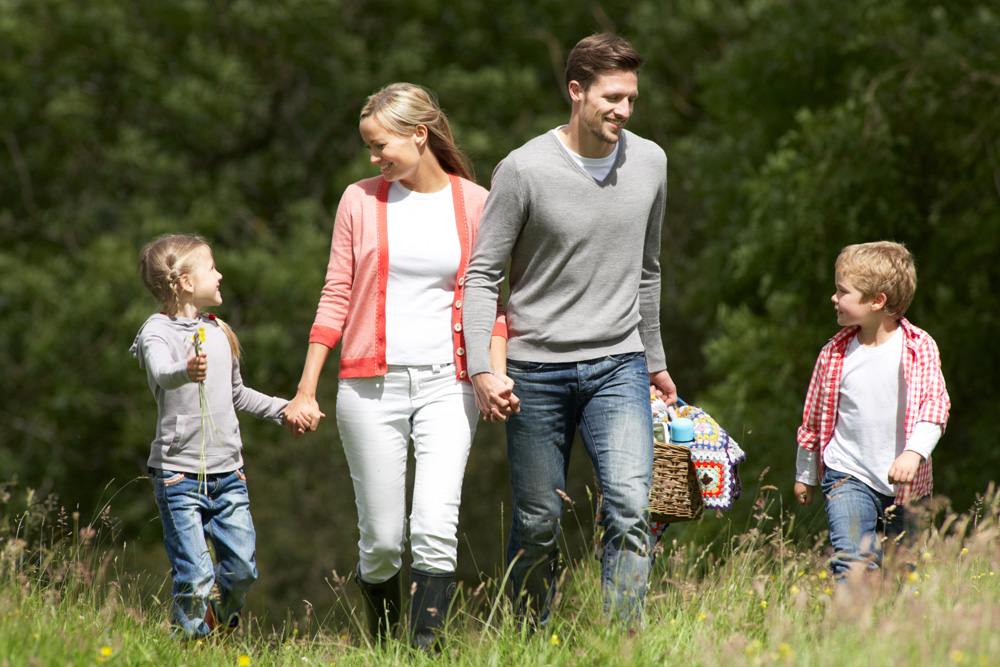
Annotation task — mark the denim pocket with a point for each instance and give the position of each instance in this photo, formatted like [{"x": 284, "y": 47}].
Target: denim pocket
[
  {"x": 525, "y": 366},
  {"x": 626, "y": 357},
  {"x": 167, "y": 477}
]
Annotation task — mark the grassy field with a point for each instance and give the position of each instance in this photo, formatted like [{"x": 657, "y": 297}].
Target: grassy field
[{"x": 759, "y": 598}]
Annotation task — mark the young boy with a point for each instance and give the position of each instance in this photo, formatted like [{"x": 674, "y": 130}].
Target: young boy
[{"x": 875, "y": 409}]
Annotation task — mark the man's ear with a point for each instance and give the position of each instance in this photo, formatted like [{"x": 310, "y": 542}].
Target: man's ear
[
  {"x": 575, "y": 91},
  {"x": 878, "y": 302}
]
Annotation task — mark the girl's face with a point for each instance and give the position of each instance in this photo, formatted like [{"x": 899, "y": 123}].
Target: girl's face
[
  {"x": 203, "y": 280},
  {"x": 398, "y": 157}
]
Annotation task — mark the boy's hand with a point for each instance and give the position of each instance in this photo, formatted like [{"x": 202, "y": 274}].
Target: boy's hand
[
  {"x": 197, "y": 367},
  {"x": 904, "y": 468},
  {"x": 804, "y": 493}
]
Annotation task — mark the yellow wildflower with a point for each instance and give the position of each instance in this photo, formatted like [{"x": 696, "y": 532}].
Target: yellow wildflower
[
  {"x": 106, "y": 651},
  {"x": 822, "y": 574},
  {"x": 763, "y": 604},
  {"x": 555, "y": 641},
  {"x": 243, "y": 661},
  {"x": 794, "y": 590}
]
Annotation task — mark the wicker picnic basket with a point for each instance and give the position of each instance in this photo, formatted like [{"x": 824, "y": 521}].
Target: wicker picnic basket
[{"x": 675, "y": 494}]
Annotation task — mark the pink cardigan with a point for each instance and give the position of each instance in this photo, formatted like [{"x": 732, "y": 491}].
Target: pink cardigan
[{"x": 352, "y": 305}]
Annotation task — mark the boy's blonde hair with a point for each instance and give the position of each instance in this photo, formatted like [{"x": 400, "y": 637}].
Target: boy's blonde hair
[
  {"x": 400, "y": 107},
  {"x": 884, "y": 267},
  {"x": 162, "y": 262}
]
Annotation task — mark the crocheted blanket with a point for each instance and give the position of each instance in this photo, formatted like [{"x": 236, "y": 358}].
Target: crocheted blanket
[{"x": 714, "y": 453}]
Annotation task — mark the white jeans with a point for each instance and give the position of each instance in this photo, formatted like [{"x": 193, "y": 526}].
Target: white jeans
[{"x": 377, "y": 416}]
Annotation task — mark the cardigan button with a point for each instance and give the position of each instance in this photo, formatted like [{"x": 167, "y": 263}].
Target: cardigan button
[
  {"x": 458, "y": 304},
  {"x": 460, "y": 351},
  {"x": 458, "y": 326},
  {"x": 461, "y": 281},
  {"x": 463, "y": 375}
]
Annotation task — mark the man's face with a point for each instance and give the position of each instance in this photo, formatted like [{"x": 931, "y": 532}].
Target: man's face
[{"x": 607, "y": 104}]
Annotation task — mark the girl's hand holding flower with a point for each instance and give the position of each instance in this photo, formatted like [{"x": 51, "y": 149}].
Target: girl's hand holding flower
[{"x": 197, "y": 366}]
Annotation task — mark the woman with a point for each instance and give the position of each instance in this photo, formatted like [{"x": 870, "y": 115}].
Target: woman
[{"x": 393, "y": 299}]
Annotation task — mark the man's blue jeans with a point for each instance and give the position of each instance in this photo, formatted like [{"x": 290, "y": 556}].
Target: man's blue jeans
[
  {"x": 857, "y": 514},
  {"x": 608, "y": 399},
  {"x": 216, "y": 508}
]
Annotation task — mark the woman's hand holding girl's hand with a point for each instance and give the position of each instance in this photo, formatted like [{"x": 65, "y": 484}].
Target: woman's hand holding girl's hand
[
  {"x": 197, "y": 367},
  {"x": 302, "y": 414}
]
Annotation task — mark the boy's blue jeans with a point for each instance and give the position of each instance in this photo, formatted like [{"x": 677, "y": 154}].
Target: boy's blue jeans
[
  {"x": 195, "y": 512},
  {"x": 608, "y": 399},
  {"x": 857, "y": 514}
]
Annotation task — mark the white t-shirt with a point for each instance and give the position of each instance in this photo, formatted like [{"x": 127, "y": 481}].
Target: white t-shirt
[
  {"x": 871, "y": 417},
  {"x": 424, "y": 255},
  {"x": 597, "y": 167}
]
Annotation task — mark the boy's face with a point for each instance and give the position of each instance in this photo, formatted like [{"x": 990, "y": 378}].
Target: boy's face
[{"x": 852, "y": 308}]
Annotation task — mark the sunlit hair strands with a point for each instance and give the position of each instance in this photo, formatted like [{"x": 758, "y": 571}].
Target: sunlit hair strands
[
  {"x": 162, "y": 262},
  {"x": 600, "y": 54},
  {"x": 881, "y": 267},
  {"x": 401, "y": 107}
]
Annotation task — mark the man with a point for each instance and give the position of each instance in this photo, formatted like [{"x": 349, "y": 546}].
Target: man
[{"x": 578, "y": 212}]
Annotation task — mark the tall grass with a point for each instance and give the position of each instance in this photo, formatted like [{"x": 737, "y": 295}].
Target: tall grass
[{"x": 756, "y": 595}]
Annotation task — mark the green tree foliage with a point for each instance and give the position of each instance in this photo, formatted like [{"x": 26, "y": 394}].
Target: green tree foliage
[
  {"x": 837, "y": 123},
  {"x": 792, "y": 129}
]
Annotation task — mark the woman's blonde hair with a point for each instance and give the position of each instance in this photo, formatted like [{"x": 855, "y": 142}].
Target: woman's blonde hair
[
  {"x": 881, "y": 267},
  {"x": 400, "y": 107},
  {"x": 162, "y": 262}
]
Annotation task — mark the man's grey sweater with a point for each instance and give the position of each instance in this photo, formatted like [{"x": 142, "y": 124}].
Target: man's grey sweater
[
  {"x": 188, "y": 439},
  {"x": 584, "y": 256}
]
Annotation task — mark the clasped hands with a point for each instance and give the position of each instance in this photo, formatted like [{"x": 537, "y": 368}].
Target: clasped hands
[
  {"x": 495, "y": 397},
  {"x": 302, "y": 414}
]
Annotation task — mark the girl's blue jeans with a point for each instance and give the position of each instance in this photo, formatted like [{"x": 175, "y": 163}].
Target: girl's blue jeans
[
  {"x": 857, "y": 515},
  {"x": 196, "y": 513},
  {"x": 608, "y": 400}
]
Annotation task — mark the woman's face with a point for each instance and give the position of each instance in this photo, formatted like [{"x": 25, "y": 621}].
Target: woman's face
[{"x": 397, "y": 156}]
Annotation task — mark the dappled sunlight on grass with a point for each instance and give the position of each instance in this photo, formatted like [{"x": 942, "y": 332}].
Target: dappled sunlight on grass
[{"x": 762, "y": 596}]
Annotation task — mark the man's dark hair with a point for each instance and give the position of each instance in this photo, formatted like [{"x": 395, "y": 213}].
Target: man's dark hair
[{"x": 600, "y": 54}]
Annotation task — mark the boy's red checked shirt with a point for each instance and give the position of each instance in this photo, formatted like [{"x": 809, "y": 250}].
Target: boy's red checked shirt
[{"x": 926, "y": 397}]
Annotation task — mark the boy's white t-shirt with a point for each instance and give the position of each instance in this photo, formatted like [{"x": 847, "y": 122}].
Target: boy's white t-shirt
[
  {"x": 597, "y": 167},
  {"x": 424, "y": 255},
  {"x": 871, "y": 417}
]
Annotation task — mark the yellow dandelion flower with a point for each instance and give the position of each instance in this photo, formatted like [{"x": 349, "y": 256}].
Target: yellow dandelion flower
[
  {"x": 958, "y": 657},
  {"x": 828, "y": 591},
  {"x": 964, "y": 551},
  {"x": 37, "y": 636},
  {"x": 106, "y": 651},
  {"x": 912, "y": 577},
  {"x": 702, "y": 617},
  {"x": 763, "y": 604},
  {"x": 554, "y": 640},
  {"x": 916, "y": 593},
  {"x": 794, "y": 590},
  {"x": 243, "y": 661},
  {"x": 822, "y": 574}
]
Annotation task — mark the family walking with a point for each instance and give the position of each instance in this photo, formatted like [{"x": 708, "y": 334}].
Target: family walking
[{"x": 430, "y": 345}]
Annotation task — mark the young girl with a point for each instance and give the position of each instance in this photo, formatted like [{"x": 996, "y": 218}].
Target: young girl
[
  {"x": 393, "y": 301},
  {"x": 192, "y": 363}
]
